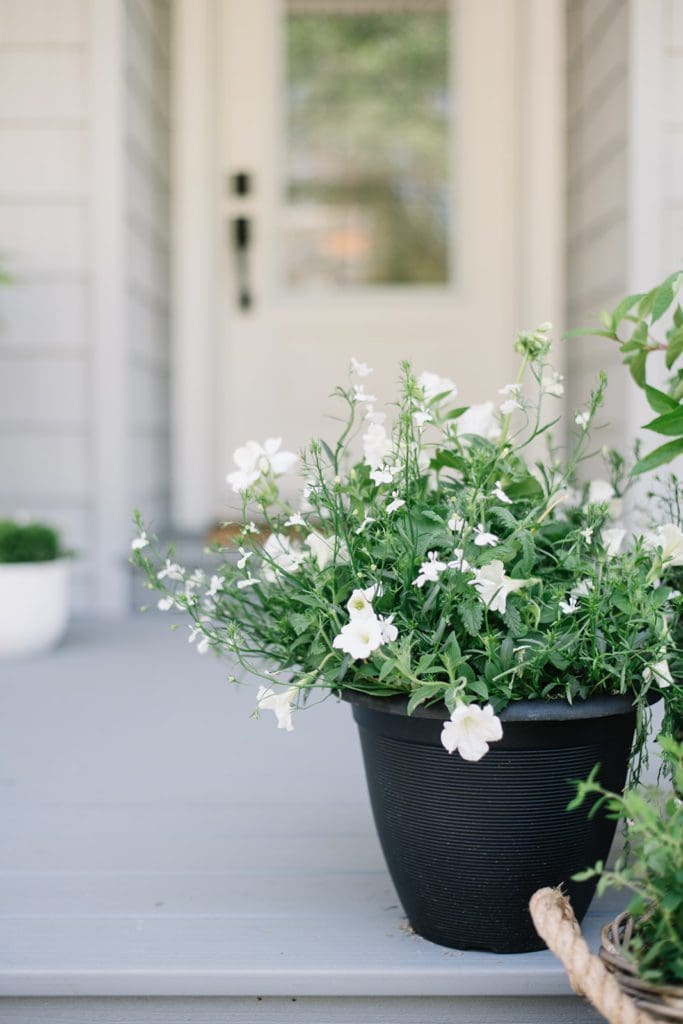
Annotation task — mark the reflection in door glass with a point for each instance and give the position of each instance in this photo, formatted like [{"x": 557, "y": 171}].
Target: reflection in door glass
[{"x": 368, "y": 112}]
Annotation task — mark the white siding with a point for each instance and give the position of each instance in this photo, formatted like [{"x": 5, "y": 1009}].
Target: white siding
[
  {"x": 50, "y": 432},
  {"x": 672, "y": 134},
  {"x": 44, "y": 405},
  {"x": 597, "y": 193},
  {"x": 146, "y": 77}
]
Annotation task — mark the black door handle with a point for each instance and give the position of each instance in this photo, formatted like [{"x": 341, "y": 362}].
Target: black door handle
[{"x": 241, "y": 240}]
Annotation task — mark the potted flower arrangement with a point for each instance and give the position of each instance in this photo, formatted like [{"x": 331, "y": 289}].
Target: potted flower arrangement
[
  {"x": 492, "y": 626},
  {"x": 34, "y": 588}
]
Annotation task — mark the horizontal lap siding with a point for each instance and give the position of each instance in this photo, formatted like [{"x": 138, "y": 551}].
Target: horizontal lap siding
[
  {"x": 672, "y": 131},
  {"x": 597, "y": 194},
  {"x": 147, "y": 235},
  {"x": 45, "y": 417}
]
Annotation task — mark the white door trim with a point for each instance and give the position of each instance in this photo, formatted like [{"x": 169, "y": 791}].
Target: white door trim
[
  {"x": 196, "y": 254},
  {"x": 195, "y": 260}
]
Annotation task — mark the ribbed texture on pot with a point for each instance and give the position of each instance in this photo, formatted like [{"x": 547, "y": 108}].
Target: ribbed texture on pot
[{"x": 468, "y": 843}]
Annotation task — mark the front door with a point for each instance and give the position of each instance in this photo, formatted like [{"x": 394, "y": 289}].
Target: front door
[{"x": 368, "y": 154}]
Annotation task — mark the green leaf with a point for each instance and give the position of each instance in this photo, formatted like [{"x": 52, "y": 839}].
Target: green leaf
[
  {"x": 423, "y": 693},
  {"x": 662, "y": 299},
  {"x": 300, "y": 621},
  {"x": 587, "y": 332},
  {"x": 659, "y": 400},
  {"x": 665, "y": 453},
  {"x": 454, "y": 414},
  {"x": 513, "y": 620},
  {"x": 624, "y": 307},
  {"x": 637, "y": 367},
  {"x": 471, "y": 616},
  {"x": 674, "y": 347},
  {"x": 528, "y": 488},
  {"x": 671, "y": 423}
]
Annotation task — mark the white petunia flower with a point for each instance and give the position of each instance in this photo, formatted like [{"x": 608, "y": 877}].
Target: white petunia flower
[
  {"x": 659, "y": 673},
  {"x": 361, "y": 395},
  {"x": 613, "y": 539},
  {"x": 509, "y": 405},
  {"x": 296, "y": 519},
  {"x": 139, "y": 542},
  {"x": 361, "y": 369},
  {"x": 171, "y": 571},
  {"x": 470, "y": 730},
  {"x": 601, "y": 492},
  {"x": 395, "y": 504},
  {"x": 359, "y": 604},
  {"x": 389, "y": 630},
  {"x": 570, "y": 606},
  {"x": 254, "y": 461},
  {"x": 280, "y": 703},
  {"x": 432, "y": 385},
  {"x": 376, "y": 446},
  {"x": 494, "y": 587},
  {"x": 669, "y": 538},
  {"x": 582, "y": 589},
  {"x": 421, "y": 417},
  {"x": 281, "y": 556},
  {"x": 553, "y": 385},
  {"x": 587, "y": 534},
  {"x": 321, "y": 547},
  {"x": 383, "y": 475},
  {"x": 582, "y": 419},
  {"x": 459, "y": 561},
  {"x": 456, "y": 523},
  {"x": 479, "y": 419},
  {"x": 482, "y": 538},
  {"x": 430, "y": 570},
  {"x": 359, "y": 637},
  {"x": 499, "y": 493}
]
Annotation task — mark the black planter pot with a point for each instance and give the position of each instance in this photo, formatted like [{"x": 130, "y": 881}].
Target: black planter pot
[{"x": 467, "y": 843}]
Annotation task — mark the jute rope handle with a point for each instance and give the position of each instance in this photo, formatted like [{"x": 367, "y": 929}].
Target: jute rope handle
[{"x": 554, "y": 920}]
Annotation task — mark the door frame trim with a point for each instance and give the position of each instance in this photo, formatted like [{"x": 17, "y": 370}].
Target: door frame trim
[{"x": 196, "y": 299}]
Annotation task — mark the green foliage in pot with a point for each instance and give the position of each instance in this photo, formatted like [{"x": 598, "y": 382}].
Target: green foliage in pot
[
  {"x": 652, "y": 869},
  {"x": 633, "y": 325},
  {"x": 430, "y": 558},
  {"x": 28, "y": 542}
]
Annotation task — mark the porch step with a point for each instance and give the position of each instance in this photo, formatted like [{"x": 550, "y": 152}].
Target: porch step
[{"x": 169, "y": 859}]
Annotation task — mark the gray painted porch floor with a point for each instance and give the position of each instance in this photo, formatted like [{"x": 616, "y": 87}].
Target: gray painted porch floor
[{"x": 158, "y": 842}]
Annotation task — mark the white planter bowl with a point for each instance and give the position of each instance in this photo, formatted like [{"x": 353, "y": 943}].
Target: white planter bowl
[{"x": 34, "y": 606}]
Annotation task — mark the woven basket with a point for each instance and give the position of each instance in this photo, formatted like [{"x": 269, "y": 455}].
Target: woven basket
[{"x": 663, "y": 1003}]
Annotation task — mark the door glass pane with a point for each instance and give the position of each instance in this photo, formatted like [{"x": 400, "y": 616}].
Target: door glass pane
[{"x": 368, "y": 116}]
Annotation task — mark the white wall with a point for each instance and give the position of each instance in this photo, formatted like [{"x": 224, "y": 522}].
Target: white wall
[
  {"x": 45, "y": 406},
  {"x": 84, "y": 199},
  {"x": 597, "y": 194},
  {"x": 625, "y": 184}
]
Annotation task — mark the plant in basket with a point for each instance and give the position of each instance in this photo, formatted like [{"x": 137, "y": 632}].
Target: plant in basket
[
  {"x": 643, "y": 946},
  {"x": 494, "y": 627}
]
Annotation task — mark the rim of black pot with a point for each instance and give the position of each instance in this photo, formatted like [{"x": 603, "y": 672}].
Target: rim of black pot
[{"x": 599, "y": 706}]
